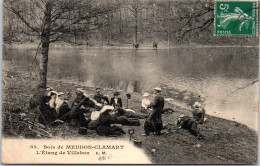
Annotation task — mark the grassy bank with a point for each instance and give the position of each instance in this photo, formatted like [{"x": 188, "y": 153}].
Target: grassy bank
[{"x": 225, "y": 142}]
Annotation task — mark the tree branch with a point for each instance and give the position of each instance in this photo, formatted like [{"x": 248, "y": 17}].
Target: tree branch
[
  {"x": 202, "y": 27},
  {"x": 16, "y": 12}
]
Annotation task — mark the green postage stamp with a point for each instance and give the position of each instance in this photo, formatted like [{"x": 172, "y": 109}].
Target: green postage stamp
[{"x": 236, "y": 18}]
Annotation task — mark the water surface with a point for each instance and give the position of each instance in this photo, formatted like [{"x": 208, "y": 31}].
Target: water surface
[{"x": 221, "y": 76}]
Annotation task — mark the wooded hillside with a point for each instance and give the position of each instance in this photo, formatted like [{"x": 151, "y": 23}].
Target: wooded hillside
[{"x": 118, "y": 21}]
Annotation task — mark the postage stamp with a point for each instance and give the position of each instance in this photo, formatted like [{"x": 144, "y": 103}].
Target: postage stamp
[{"x": 236, "y": 18}]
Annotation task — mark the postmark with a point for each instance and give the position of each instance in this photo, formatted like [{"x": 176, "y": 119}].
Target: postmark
[{"x": 236, "y": 18}]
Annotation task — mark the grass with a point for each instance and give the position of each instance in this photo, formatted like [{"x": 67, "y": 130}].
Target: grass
[{"x": 225, "y": 142}]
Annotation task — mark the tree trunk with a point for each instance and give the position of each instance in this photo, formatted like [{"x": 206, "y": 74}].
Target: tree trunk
[
  {"x": 120, "y": 21},
  {"x": 135, "y": 35},
  {"x": 109, "y": 36},
  {"x": 168, "y": 22},
  {"x": 136, "y": 27},
  {"x": 103, "y": 32},
  {"x": 168, "y": 36},
  {"x": 45, "y": 39}
]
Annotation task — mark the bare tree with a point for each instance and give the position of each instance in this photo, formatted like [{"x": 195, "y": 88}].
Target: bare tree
[
  {"x": 52, "y": 19},
  {"x": 136, "y": 7},
  {"x": 194, "y": 17},
  {"x": 166, "y": 18},
  {"x": 77, "y": 21}
]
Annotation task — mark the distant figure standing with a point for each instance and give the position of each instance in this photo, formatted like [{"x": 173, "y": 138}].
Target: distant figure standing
[
  {"x": 116, "y": 99},
  {"x": 155, "y": 44},
  {"x": 136, "y": 45},
  {"x": 154, "y": 120}
]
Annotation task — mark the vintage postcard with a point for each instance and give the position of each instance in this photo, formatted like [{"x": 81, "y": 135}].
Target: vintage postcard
[{"x": 130, "y": 82}]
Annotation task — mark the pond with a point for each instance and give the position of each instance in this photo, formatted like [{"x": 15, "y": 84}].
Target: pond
[{"x": 222, "y": 76}]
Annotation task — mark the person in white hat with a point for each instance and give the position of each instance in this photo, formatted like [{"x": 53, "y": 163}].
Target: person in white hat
[
  {"x": 196, "y": 104},
  {"x": 154, "y": 120},
  {"x": 53, "y": 95},
  {"x": 146, "y": 103},
  {"x": 198, "y": 113}
]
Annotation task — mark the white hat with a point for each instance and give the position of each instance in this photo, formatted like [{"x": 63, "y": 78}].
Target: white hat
[
  {"x": 106, "y": 107},
  {"x": 49, "y": 88},
  {"x": 146, "y": 94},
  {"x": 158, "y": 89},
  {"x": 80, "y": 90},
  {"x": 196, "y": 104},
  {"x": 182, "y": 115},
  {"x": 52, "y": 92},
  {"x": 60, "y": 93}
]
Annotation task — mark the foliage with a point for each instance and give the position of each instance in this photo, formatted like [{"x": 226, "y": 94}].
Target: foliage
[{"x": 124, "y": 21}]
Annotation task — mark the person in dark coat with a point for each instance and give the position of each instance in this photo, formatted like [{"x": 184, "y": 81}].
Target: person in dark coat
[
  {"x": 100, "y": 98},
  {"x": 154, "y": 120},
  {"x": 155, "y": 44},
  {"x": 63, "y": 109},
  {"x": 186, "y": 123},
  {"x": 48, "y": 114},
  {"x": 37, "y": 98},
  {"x": 105, "y": 120},
  {"x": 82, "y": 104},
  {"x": 126, "y": 117},
  {"x": 114, "y": 100},
  {"x": 78, "y": 99}
]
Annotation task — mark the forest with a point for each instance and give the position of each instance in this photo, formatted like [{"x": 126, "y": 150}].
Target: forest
[{"x": 107, "y": 22}]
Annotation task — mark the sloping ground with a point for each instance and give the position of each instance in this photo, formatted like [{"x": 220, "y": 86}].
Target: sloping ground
[{"x": 225, "y": 142}]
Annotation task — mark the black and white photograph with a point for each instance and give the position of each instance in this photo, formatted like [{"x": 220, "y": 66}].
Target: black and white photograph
[{"x": 130, "y": 81}]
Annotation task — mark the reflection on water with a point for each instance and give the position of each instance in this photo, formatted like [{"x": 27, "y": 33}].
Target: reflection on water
[{"x": 214, "y": 73}]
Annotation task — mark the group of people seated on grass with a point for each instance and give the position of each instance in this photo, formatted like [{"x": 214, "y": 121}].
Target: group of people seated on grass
[{"x": 104, "y": 116}]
